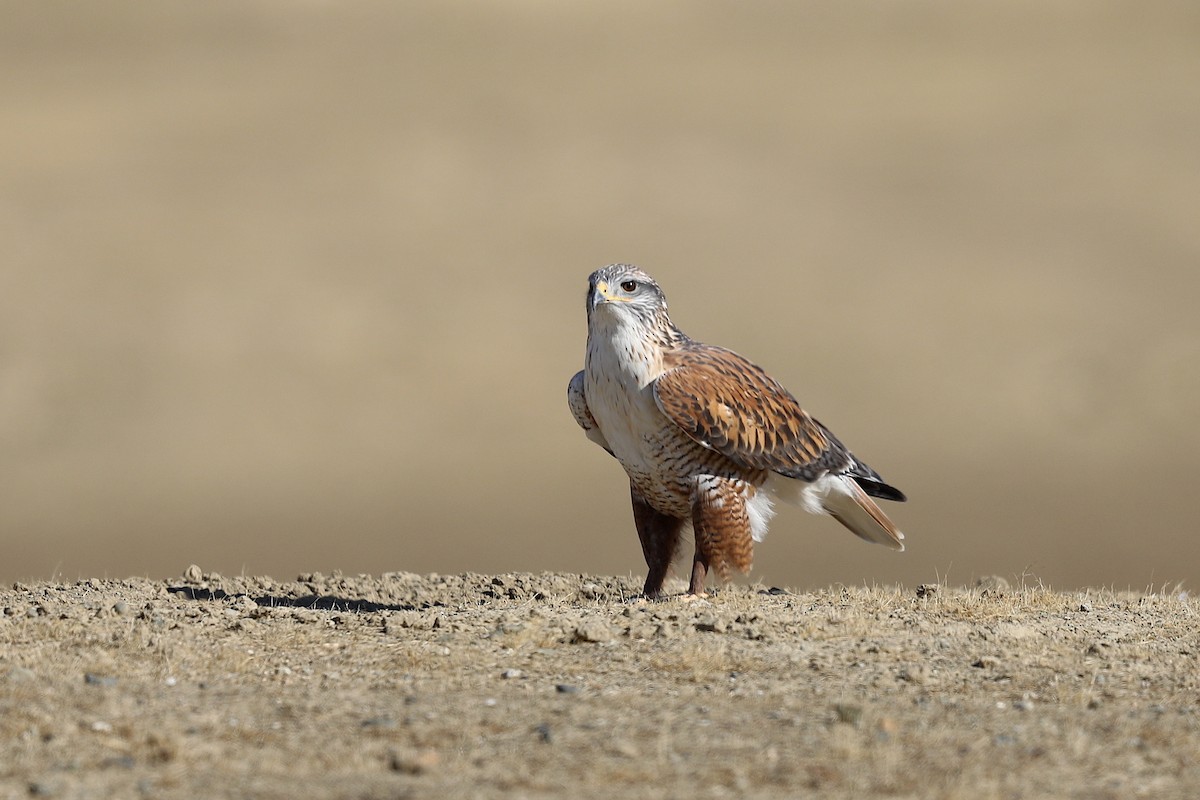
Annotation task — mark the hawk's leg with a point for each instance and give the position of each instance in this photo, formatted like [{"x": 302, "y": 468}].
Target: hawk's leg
[
  {"x": 699, "y": 573},
  {"x": 722, "y": 526},
  {"x": 659, "y": 534}
]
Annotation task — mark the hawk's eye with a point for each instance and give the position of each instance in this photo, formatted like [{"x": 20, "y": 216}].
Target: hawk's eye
[{"x": 629, "y": 286}]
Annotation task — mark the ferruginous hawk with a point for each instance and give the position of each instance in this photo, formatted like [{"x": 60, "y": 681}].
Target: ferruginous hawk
[{"x": 706, "y": 437}]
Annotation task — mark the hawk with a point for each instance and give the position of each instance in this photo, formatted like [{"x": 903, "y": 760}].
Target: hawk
[{"x": 707, "y": 438}]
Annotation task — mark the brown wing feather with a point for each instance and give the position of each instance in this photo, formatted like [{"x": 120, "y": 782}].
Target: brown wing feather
[{"x": 729, "y": 404}]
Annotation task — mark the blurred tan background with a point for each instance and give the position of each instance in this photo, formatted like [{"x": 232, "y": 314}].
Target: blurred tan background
[{"x": 295, "y": 286}]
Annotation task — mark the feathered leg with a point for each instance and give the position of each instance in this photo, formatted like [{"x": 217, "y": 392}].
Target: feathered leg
[
  {"x": 722, "y": 526},
  {"x": 659, "y": 534}
]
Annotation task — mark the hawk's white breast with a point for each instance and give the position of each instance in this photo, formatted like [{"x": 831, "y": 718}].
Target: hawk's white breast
[
  {"x": 664, "y": 464},
  {"x": 618, "y": 373}
]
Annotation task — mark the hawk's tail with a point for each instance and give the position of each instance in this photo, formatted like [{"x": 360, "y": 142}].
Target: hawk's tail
[{"x": 846, "y": 502}]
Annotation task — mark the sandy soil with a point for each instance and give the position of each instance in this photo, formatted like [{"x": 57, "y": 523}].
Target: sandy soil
[{"x": 549, "y": 685}]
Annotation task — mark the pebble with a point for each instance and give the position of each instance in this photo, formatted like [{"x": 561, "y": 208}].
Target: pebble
[
  {"x": 99, "y": 680},
  {"x": 511, "y": 673},
  {"x": 544, "y": 733},
  {"x": 121, "y": 608},
  {"x": 992, "y": 585},
  {"x": 379, "y": 723},
  {"x": 43, "y": 789},
  {"x": 642, "y": 630},
  {"x": 914, "y": 673},
  {"x": 565, "y": 688},
  {"x": 594, "y": 630},
  {"x": 414, "y": 762},
  {"x": 193, "y": 574}
]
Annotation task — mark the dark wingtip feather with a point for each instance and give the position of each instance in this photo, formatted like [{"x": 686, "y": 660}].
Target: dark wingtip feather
[{"x": 879, "y": 489}]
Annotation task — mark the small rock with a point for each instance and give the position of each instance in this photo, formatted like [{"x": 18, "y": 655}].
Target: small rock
[
  {"x": 413, "y": 762},
  {"x": 992, "y": 585},
  {"x": 99, "y": 680},
  {"x": 1085, "y": 606},
  {"x": 642, "y": 630},
  {"x": 565, "y": 688},
  {"x": 1023, "y": 705},
  {"x": 711, "y": 625},
  {"x": 193, "y": 574},
  {"x": 379, "y": 723},
  {"x": 121, "y": 608},
  {"x": 544, "y": 733},
  {"x": 594, "y": 630},
  {"x": 926, "y": 590},
  {"x": 42, "y": 789},
  {"x": 508, "y": 674}
]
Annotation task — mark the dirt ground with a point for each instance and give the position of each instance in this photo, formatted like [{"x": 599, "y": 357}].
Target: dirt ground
[{"x": 554, "y": 685}]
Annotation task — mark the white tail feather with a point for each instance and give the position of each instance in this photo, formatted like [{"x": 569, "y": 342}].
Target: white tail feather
[{"x": 844, "y": 500}]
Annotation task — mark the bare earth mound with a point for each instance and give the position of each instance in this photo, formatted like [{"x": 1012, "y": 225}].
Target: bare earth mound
[{"x": 565, "y": 685}]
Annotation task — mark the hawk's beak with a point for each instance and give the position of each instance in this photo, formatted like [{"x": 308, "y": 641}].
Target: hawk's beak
[
  {"x": 599, "y": 294},
  {"x": 604, "y": 294}
]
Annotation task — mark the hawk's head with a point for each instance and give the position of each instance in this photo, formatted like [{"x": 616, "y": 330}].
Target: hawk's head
[{"x": 625, "y": 295}]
